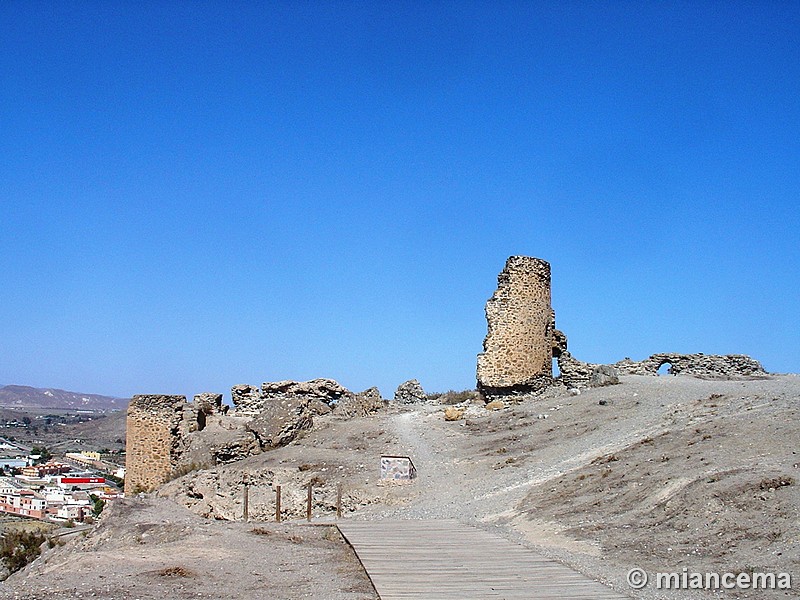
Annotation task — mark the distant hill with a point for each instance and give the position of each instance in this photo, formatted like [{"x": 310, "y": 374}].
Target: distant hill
[{"x": 25, "y": 397}]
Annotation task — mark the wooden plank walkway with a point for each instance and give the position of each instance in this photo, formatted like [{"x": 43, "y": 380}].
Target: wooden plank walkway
[{"x": 448, "y": 560}]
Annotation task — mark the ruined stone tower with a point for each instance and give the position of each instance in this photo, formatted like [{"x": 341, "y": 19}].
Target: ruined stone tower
[
  {"x": 517, "y": 355},
  {"x": 153, "y": 424}
]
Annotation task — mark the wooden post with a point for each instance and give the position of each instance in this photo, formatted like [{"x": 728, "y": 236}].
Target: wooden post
[
  {"x": 308, "y": 502},
  {"x": 278, "y": 503},
  {"x": 339, "y": 501},
  {"x": 246, "y": 502}
]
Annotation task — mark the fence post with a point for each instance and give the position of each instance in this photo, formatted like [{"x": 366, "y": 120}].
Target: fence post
[
  {"x": 246, "y": 502},
  {"x": 339, "y": 501},
  {"x": 308, "y": 502},
  {"x": 278, "y": 503}
]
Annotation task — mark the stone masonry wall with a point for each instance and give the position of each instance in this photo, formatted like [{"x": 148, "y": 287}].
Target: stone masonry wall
[
  {"x": 712, "y": 366},
  {"x": 576, "y": 373},
  {"x": 153, "y": 431},
  {"x": 167, "y": 435},
  {"x": 517, "y": 352}
]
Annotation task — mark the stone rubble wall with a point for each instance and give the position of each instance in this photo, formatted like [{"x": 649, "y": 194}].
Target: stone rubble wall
[
  {"x": 713, "y": 366},
  {"x": 578, "y": 374},
  {"x": 208, "y": 403},
  {"x": 522, "y": 341},
  {"x": 574, "y": 373},
  {"x": 326, "y": 390},
  {"x": 247, "y": 399},
  {"x": 410, "y": 392},
  {"x": 168, "y": 436},
  {"x": 362, "y": 404},
  {"x": 153, "y": 425},
  {"x": 517, "y": 351}
]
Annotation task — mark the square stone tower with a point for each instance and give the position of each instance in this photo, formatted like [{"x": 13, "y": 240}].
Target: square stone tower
[
  {"x": 153, "y": 426},
  {"x": 517, "y": 355}
]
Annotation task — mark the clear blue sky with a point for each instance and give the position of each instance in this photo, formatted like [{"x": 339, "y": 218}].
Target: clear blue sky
[{"x": 200, "y": 194}]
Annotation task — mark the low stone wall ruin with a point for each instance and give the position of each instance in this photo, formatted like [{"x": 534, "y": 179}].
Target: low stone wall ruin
[
  {"x": 711, "y": 366},
  {"x": 167, "y": 435},
  {"x": 576, "y": 373}
]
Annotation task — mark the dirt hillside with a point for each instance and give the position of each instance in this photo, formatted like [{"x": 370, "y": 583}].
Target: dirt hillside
[{"x": 657, "y": 472}]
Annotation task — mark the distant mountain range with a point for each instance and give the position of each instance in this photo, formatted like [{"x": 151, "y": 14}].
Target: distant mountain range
[{"x": 25, "y": 397}]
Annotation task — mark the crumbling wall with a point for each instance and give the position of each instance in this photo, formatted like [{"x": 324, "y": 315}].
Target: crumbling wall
[
  {"x": 517, "y": 351},
  {"x": 522, "y": 341},
  {"x": 576, "y": 373},
  {"x": 712, "y": 366},
  {"x": 288, "y": 408},
  {"x": 321, "y": 394},
  {"x": 247, "y": 399},
  {"x": 328, "y": 391},
  {"x": 362, "y": 404},
  {"x": 153, "y": 425},
  {"x": 167, "y": 435},
  {"x": 204, "y": 406},
  {"x": 410, "y": 392}
]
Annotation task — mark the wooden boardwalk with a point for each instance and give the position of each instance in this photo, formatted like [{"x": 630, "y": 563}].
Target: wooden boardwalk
[{"x": 447, "y": 560}]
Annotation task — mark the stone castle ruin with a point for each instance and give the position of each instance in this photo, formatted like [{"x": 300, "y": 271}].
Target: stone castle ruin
[
  {"x": 168, "y": 436},
  {"x": 517, "y": 353},
  {"x": 522, "y": 341}
]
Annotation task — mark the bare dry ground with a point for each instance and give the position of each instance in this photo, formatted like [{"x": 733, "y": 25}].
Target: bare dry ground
[
  {"x": 152, "y": 549},
  {"x": 657, "y": 472}
]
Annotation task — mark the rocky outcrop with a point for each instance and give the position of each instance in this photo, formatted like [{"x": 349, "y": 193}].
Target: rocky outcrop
[
  {"x": 362, "y": 404},
  {"x": 222, "y": 441},
  {"x": 603, "y": 375},
  {"x": 518, "y": 348},
  {"x": 282, "y": 420},
  {"x": 410, "y": 392},
  {"x": 451, "y": 413},
  {"x": 216, "y": 493},
  {"x": 711, "y": 366},
  {"x": 325, "y": 390},
  {"x": 208, "y": 403}
]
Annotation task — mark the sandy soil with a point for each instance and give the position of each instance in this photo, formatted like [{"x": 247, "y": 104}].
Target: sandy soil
[
  {"x": 153, "y": 549},
  {"x": 657, "y": 472}
]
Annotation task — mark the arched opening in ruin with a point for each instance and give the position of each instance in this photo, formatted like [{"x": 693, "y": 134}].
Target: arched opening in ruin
[
  {"x": 556, "y": 370},
  {"x": 664, "y": 368}
]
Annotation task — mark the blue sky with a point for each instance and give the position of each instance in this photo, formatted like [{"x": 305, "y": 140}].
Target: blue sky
[{"x": 200, "y": 194}]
